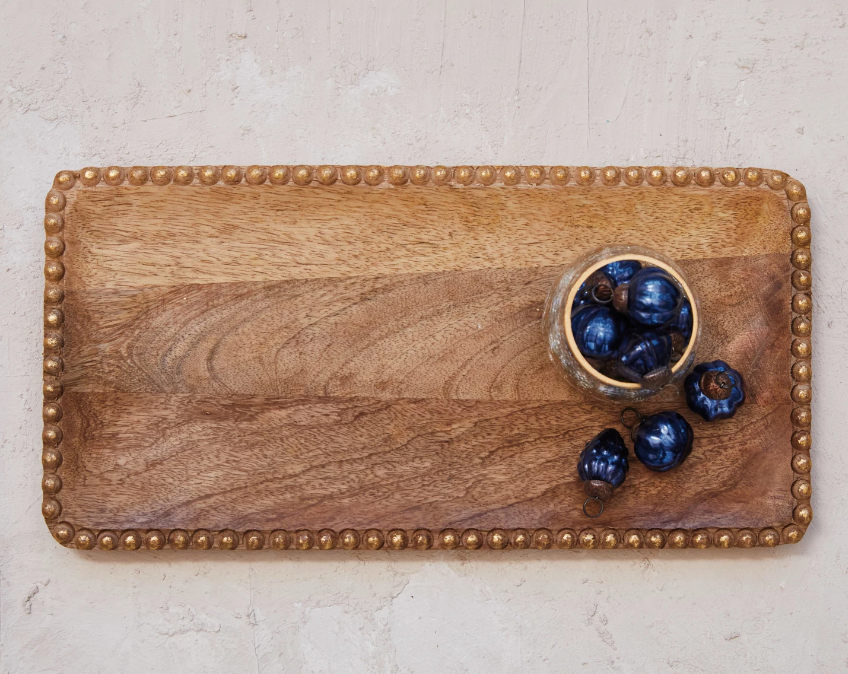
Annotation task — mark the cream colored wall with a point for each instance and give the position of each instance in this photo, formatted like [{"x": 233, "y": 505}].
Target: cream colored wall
[{"x": 597, "y": 82}]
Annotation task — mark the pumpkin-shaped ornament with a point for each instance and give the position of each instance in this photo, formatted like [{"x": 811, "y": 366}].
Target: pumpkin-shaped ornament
[{"x": 714, "y": 390}]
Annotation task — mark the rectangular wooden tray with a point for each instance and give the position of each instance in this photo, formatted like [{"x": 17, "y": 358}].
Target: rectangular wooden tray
[{"x": 248, "y": 357}]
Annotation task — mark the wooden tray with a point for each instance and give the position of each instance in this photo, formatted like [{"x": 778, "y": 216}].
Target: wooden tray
[{"x": 352, "y": 357}]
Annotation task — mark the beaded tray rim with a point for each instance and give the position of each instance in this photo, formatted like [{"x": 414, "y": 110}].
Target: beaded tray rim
[{"x": 375, "y": 176}]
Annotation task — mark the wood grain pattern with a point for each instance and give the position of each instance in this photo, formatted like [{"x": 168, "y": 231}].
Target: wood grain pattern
[{"x": 277, "y": 357}]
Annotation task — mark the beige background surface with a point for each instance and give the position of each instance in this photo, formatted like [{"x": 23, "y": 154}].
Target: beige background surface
[{"x": 720, "y": 83}]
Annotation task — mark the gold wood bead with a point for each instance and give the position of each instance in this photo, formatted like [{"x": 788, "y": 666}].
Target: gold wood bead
[
  {"x": 209, "y": 175},
  {"x": 802, "y": 489},
  {"x": 801, "y": 463},
  {"x": 724, "y": 538},
  {"x": 801, "y": 213},
  {"x": 535, "y": 175},
  {"x": 54, "y": 202},
  {"x": 746, "y": 539},
  {"x": 521, "y": 539},
  {"x": 53, "y": 294},
  {"x": 113, "y": 176},
  {"x": 776, "y": 179},
  {"x": 584, "y": 175},
  {"x": 161, "y": 175},
  {"x": 803, "y": 514},
  {"x": 301, "y": 175},
  {"x": 802, "y": 440},
  {"x": 108, "y": 540},
  {"x": 497, "y": 539},
  {"x": 656, "y": 176},
  {"x": 753, "y": 177},
  {"x": 463, "y": 175},
  {"x": 51, "y": 412},
  {"x": 449, "y": 539},
  {"x": 795, "y": 191},
  {"x": 801, "y": 371},
  {"x": 729, "y": 177},
  {"x": 704, "y": 177},
  {"x": 801, "y": 258},
  {"x": 137, "y": 175},
  {"x": 422, "y": 540},
  {"x": 130, "y": 540},
  {"x": 655, "y": 539},
  {"x": 801, "y": 326},
  {"x": 768, "y": 538},
  {"x": 610, "y": 539},
  {"x": 90, "y": 176},
  {"x": 802, "y": 416},
  {"x": 183, "y": 175},
  {"x": 802, "y": 303},
  {"x": 231, "y": 175},
  {"x": 589, "y": 539},
  {"x": 373, "y": 539},
  {"x": 51, "y": 390},
  {"x": 51, "y": 459},
  {"x": 63, "y": 533},
  {"x": 801, "y": 348},
  {"x": 559, "y": 175},
  {"x": 256, "y": 175},
  {"x": 51, "y": 435},
  {"x": 54, "y": 270},
  {"x": 64, "y": 180},
  {"x": 53, "y": 365},
  {"x": 351, "y": 175},
  {"x": 53, "y": 341},
  {"x": 802, "y": 394},
  {"x": 511, "y": 175},
  {"x": 279, "y": 175},
  {"x": 85, "y": 540},
  {"x": 54, "y": 246},
  {"x": 303, "y": 539},
  {"x": 397, "y": 539},
  {"x": 154, "y": 540},
  {"x": 681, "y": 176},
  {"x": 349, "y": 539},
  {"x": 565, "y": 539},
  {"x": 54, "y": 318},
  {"x": 678, "y": 539},
  {"x": 792, "y": 534},
  {"x": 254, "y": 540},
  {"x": 472, "y": 539},
  {"x": 51, "y": 484},
  {"x": 179, "y": 539},
  {"x": 611, "y": 175},
  {"x": 279, "y": 539},
  {"x": 53, "y": 223},
  {"x": 398, "y": 175},
  {"x": 326, "y": 539},
  {"x": 327, "y": 175},
  {"x": 486, "y": 175},
  {"x": 441, "y": 175},
  {"x": 634, "y": 175},
  {"x": 700, "y": 539},
  {"x": 633, "y": 539},
  {"x": 202, "y": 539},
  {"x": 542, "y": 539},
  {"x": 374, "y": 175},
  {"x": 419, "y": 175},
  {"x": 228, "y": 540},
  {"x": 802, "y": 279}
]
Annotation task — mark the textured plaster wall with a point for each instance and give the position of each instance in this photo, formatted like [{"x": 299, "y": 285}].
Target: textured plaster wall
[{"x": 597, "y": 82}]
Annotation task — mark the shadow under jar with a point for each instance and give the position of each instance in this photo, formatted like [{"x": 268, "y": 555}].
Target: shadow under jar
[{"x": 603, "y": 377}]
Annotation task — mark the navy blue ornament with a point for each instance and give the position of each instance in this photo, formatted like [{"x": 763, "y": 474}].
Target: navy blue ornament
[
  {"x": 597, "y": 289},
  {"x": 622, "y": 270},
  {"x": 597, "y": 331},
  {"x": 661, "y": 441},
  {"x": 714, "y": 390},
  {"x": 644, "y": 358},
  {"x": 651, "y": 297},
  {"x": 682, "y": 323},
  {"x": 602, "y": 466}
]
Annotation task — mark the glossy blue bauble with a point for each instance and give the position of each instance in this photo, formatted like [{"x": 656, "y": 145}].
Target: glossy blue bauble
[
  {"x": 702, "y": 401},
  {"x": 682, "y": 323},
  {"x": 604, "y": 458},
  {"x": 640, "y": 354},
  {"x": 663, "y": 441},
  {"x": 588, "y": 292},
  {"x": 597, "y": 331},
  {"x": 653, "y": 297},
  {"x": 622, "y": 270}
]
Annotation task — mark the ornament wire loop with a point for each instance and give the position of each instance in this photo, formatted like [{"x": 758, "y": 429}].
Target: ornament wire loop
[
  {"x": 605, "y": 297},
  {"x": 636, "y": 421},
  {"x": 586, "y": 502}
]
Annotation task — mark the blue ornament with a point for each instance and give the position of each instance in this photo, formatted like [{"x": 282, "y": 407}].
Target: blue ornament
[
  {"x": 644, "y": 358},
  {"x": 651, "y": 297},
  {"x": 682, "y": 323},
  {"x": 714, "y": 390},
  {"x": 602, "y": 467},
  {"x": 622, "y": 270},
  {"x": 597, "y": 289},
  {"x": 662, "y": 441},
  {"x": 597, "y": 331}
]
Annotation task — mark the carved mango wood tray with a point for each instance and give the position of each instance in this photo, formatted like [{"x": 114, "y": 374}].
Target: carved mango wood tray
[{"x": 352, "y": 357}]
